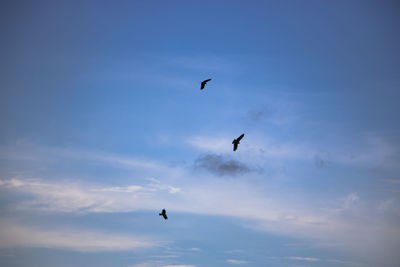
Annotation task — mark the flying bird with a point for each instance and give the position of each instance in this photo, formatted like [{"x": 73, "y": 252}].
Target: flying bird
[
  {"x": 203, "y": 83},
  {"x": 164, "y": 214},
  {"x": 236, "y": 142}
]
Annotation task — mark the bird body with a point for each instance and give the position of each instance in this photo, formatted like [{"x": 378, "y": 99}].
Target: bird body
[
  {"x": 236, "y": 142},
  {"x": 164, "y": 214},
  {"x": 203, "y": 83}
]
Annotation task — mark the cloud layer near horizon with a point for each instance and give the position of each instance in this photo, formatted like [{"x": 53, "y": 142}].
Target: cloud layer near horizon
[{"x": 260, "y": 209}]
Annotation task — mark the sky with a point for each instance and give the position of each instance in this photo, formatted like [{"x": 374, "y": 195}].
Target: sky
[{"x": 103, "y": 125}]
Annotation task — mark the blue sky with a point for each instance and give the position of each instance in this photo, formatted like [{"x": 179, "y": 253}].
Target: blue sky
[{"x": 103, "y": 124}]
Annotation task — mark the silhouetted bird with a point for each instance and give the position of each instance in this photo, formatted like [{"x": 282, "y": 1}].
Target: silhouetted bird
[
  {"x": 203, "y": 83},
  {"x": 236, "y": 142},
  {"x": 164, "y": 214}
]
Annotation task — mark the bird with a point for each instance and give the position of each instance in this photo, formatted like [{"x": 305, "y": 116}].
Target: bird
[
  {"x": 236, "y": 142},
  {"x": 164, "y": 214},
  {"x": 203, "y": 83}
]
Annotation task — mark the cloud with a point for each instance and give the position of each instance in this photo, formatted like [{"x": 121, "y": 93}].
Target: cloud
[
  {"x": 232, "y": 261},
  {"x": 126, "y": 189},
  {"x": 303, "y": 259},
  {"x": 81, "y": 198},
  {"x": 51, "y": 155},
  {"x": 13, "y": 235},
  {"x": 349, "y": 221},
  {"x": 370, "y": 152},
  {"x": 348, "y": 202},
  {"x": 211, "y": 144},
  {"x": 220, "y": 166},
  {"x": 151, "y": 187},
  {"x": 312, "y": 259},
  {"x": 65, "y": 197}
]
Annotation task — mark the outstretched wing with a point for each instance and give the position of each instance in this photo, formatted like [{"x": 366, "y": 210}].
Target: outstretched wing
[
  {"x": 240, "y": 137},
  {"x": 203, "y": 83},
  {"x": 235, "y": 146},
  {"x": 165, "y": 216}
]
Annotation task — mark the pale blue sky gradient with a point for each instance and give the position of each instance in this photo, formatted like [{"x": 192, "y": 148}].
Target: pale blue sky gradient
[{"x": 103, "y": 124}]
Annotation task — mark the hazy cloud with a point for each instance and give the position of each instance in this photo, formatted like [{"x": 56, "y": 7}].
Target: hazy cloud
[
  {"x": 303, "y": 259},
  {"x": 220, "y": 165},
  {"x": 13, "y": 235}
]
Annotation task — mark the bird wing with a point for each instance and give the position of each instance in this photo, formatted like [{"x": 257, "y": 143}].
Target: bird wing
[
  {"x": 235, "y": 146},
  {"x": 203, "y": 83},
  {"x": 240, "y": 137},
  {"x": 165, "y": 216}
]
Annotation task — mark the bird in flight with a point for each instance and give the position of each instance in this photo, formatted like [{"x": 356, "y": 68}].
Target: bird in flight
[
  {"x": 236, "y": 142},
  {"x": 203, "y": 83},
  {"x": 164, "y": 214}
]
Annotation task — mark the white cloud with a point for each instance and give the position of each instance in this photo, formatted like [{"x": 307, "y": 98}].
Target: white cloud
[
  {"x": 76, "y": 197},
  {"x": 262, "y": 212},
  {"x": 349, "y": 202},
  {"x": 303, "y": 259},
  {"x": 349, "y": 221},
  {"x": 126, "y": 189},
  {"x": 211, "y": 144},
  {"x": 13, "y": 235},
  {"x": 137, "y": 188}
]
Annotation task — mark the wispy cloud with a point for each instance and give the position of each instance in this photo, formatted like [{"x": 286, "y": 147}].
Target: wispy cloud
[
  {"x": 211, "y": 144},
  {"x": 50, "y": 155},
  {"x": 264, "y": 212},
  {"x": 348, "y": 220},
  {"x": 371, "y": 152},
  {"x": 13, "y": 235},
  {"x": 303, "y": 259},
  {"x": 126, "y": 189},
  {"x": 313, "y": 259},
  {"x": 154, "y": 186},
  {"x": 76, "y": 197}
]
